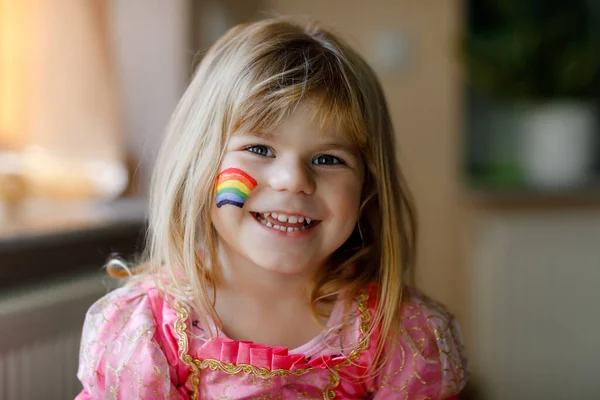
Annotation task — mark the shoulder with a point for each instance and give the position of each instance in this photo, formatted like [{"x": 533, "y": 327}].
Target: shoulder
[
  {"x": 421, "y": 313},
  {"x": 426, "y": 356},
  {"x": 131, "y": 316},
  {"x": 120, "y": 306},
  {"x": 126, "y": 341},
  {"x": 118, "y": 311},
  {"x": 137, "y": 306}
]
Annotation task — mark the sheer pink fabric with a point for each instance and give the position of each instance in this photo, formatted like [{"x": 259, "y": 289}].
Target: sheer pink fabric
[{"x": 131, "y": 349}]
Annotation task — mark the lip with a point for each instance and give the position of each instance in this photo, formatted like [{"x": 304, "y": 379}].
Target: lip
[{"x": 293, "y": 234}]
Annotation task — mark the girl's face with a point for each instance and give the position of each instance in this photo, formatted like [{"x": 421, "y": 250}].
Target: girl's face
[{"x": 306, "y": 200}]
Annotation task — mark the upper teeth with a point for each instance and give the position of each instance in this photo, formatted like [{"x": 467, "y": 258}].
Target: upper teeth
[{"x": 292, "y": 219}]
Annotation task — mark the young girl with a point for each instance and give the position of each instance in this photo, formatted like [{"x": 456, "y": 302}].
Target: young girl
[{"x": 281, "y": 242}]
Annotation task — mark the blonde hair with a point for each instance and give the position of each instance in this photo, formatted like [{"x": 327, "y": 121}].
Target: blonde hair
[{"x": 252, "y": 78}]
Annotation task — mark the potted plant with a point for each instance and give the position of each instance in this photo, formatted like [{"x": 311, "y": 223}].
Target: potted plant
[{"x": 539, "y": 61}]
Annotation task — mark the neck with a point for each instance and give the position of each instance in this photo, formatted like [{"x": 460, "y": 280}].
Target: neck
[{"x": 252, "y": 301}]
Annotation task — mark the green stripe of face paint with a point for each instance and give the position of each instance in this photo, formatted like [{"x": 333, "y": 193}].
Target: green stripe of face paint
[{"x": 234, "y": 191}]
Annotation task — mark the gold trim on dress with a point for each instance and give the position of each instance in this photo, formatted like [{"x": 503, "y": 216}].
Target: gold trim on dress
[
  {"x": 182, "y": 345},
  {"x": 196, "y": 365},
  {"x": 363, "y": 343},
  {"x": 234, "y": 369}
]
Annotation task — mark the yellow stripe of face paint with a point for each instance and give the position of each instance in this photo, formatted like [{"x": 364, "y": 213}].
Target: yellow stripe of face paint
[{"x": 235, "y": 184}]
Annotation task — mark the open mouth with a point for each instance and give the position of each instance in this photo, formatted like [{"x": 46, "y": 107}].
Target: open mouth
[{"x": 285, "y": 222}]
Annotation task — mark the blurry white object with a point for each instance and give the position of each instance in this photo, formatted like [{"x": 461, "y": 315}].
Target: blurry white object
[
  {"x": 558, "y": 144},
  {"x": 390, "y": 50},
  {"x": 11, "y": 163},
  {"x": 51, "y": 175}
]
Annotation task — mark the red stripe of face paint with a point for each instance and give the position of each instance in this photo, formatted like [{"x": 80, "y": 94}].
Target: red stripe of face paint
[{"x": 237, "y": 174}]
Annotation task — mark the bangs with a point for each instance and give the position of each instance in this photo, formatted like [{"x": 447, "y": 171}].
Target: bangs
[{"x": 276, "y": 81}]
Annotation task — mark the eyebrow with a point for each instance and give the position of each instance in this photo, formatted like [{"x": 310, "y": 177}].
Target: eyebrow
[
  {"x": 259, "y": 134},
  {"x": 347, "y": 147}
]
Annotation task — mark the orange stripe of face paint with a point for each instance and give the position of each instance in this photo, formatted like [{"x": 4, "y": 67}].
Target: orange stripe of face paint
[{"x": 229, "y": 176}]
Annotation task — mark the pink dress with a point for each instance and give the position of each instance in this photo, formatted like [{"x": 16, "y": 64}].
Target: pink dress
[{"x": 136, "y": 346}]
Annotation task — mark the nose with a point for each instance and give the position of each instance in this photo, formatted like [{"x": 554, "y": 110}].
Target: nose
[{"x": 292, "y": 175}]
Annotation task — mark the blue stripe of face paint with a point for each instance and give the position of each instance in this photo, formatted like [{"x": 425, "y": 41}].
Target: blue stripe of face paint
[
  {"x": 233, "y": 203},
  {"x": 230, "y": 198}
]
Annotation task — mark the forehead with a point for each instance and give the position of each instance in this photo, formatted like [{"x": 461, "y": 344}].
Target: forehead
[{"x": 307, "y": 121}]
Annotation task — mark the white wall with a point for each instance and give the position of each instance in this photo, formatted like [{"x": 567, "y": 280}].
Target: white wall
[
  {"x": 150, "y": 42},
  {"x": 536, "y": 305}
]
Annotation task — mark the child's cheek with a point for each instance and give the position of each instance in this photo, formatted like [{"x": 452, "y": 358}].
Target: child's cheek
[{"x": 233, "y": 187}]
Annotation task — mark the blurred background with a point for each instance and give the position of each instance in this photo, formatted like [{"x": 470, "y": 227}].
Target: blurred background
[{"x": 496, "y": 112}]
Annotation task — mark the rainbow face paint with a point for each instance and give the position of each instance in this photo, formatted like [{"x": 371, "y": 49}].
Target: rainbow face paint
[{"x": 233, "y": 187}]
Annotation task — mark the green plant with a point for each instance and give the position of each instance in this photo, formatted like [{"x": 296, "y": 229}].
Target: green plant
[{"x": 532, "y": 49}]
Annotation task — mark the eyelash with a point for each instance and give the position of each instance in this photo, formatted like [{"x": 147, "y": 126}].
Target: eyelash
[
  {"x": 336, "y": 160},
  {"x": 252, "y": 149},
  {"x": 260, "y": 150}
]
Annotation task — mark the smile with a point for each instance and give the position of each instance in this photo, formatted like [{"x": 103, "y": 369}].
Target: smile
[{"x": 285, "y": 222}]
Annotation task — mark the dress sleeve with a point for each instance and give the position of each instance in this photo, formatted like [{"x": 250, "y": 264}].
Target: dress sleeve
[
  {"x": 122, "y": 355},
  {"x": 427, "y": 360}
]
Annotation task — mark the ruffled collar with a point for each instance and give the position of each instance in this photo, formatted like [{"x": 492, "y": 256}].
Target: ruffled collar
[{"x": 261, "y": 356}]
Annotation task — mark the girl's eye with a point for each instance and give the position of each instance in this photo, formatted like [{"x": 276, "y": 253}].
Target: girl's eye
[
  {"x": 263, "y": 151},
  {"x": 327, "y": 160}
]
